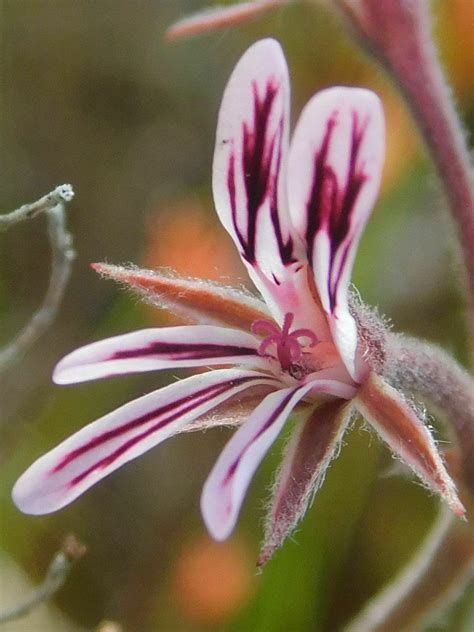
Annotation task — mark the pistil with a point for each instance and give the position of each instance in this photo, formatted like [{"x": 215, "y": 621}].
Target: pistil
[{"x": 289, "y": 347}]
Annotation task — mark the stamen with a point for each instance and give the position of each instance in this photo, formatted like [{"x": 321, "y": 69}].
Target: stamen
[
  {"x": 306, "y": 333},
  {"x": 289, "y": 348},
  {"x": 265, "y": 327}
]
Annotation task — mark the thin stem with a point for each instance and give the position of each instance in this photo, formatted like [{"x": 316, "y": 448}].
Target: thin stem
[
  {"x": 432, "y": 580},
  {"x": 53, "y": 205},
  {"x": 55, "y": 577}
]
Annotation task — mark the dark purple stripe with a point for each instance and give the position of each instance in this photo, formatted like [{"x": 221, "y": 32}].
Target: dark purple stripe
[
  {"x": 329, "y": 207},
  {"x": 261, "y": 160},
  {"x": 273, "y": 417},
  {"x": 121, "y": 450},
  {"x": 173, "y": 409},
  {"x": 184, "y": 351}
]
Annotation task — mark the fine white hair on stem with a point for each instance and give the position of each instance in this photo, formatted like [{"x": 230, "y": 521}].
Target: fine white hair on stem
[
  {"x": 56, "y": 574},
  {"x": 62, "y": 255}
]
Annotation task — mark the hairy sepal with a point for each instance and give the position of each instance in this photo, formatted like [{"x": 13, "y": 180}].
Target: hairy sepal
[
  {"x": 407, "y": 436},
  {"x": 193, "y": 300},
  {"x": 307, "y": 457}
]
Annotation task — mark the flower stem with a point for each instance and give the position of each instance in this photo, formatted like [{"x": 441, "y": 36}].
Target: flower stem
[
  {"x": 432, "y": 580},
  {"x": 399, "y": 34}
]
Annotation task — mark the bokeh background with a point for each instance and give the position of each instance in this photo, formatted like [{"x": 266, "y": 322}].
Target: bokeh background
[{"x": 91, "y": 94}]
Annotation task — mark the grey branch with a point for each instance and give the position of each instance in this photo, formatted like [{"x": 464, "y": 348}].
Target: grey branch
[
  {"x": 53, "y": 205},
  {"x": 62, "y": 193},
  {"x": 56, "y": 575}
]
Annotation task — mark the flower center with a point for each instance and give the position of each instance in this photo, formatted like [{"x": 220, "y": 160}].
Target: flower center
[{"x": 289, "y": 347}]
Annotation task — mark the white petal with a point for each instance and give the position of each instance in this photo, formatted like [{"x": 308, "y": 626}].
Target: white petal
[
  {"x": 92, "y": 453},
  {"x": 163, "y": 348},
  {"x": 249, "y": 181},
  {"x": 334, "y": 172},
  {"x": 227, "y": 484}
]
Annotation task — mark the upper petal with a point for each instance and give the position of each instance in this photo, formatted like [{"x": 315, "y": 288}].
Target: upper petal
[
  {"x": 334, "y": 171},
  {"x": 228, "y": 481},
  {"x": 160, "y": 348},
  {"x": 250, "y": 153},
  {"x": 249, "y": 183},
  {"x": 60, "y": 476}
]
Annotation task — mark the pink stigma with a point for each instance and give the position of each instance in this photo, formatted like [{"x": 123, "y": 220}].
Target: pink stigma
[{"x": 288, "y": 346}]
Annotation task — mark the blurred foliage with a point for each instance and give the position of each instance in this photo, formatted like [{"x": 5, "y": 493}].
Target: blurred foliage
[{"x": 91, "y": 94}]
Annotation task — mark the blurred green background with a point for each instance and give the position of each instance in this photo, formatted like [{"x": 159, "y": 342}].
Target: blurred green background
[{"x": 92, "y": 95}]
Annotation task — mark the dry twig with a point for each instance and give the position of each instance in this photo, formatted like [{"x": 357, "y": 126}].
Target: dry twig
[{"x": 53, "y": 205}]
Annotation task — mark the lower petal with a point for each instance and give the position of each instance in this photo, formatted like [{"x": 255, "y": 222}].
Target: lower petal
[
  {"x": 95, "y": 451},
  {"x": 227, "y": 484}
]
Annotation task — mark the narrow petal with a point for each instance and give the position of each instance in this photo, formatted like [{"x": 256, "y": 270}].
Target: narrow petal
[
  {"x": 195, "y": 300},
  {"x": 227, "y": 484},
  {"x": 250, "y": 153},
  {"x": 89, "y": 455},
  {"x": 334, "y": 172},
  {"x": 407, "y": 436},
  {"x": 308, "y": 454},
  {"x": 163, "y": 348},
  {"x": 249, "y": 184}
]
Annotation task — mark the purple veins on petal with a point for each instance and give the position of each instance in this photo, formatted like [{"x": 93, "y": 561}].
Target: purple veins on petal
[
  {"x": 157, "y": 349},
  {"x": 227, "y": 484},
  {"x": 63, "y": 474},
  {"x": 186, "y": 351},
  {"x": 330, "y": 204},
  {"x": 168, "y": 413},
  {"x": 260, "y": 166}
]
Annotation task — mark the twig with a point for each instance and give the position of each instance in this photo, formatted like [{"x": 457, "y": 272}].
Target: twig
[
  {"x": 62, "y": 193},
  {"x": 53, "y": 205},
  {"x": 56, "y": 575}
]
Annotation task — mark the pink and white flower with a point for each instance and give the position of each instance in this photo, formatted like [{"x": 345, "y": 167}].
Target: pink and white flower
[{"x": 296, "y": 214}]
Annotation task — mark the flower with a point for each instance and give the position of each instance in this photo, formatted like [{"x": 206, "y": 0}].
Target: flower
[{"x": 296, "y": 215}]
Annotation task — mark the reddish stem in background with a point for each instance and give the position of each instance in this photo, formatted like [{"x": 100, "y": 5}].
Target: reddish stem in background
[{"x": 399, "y": 34}]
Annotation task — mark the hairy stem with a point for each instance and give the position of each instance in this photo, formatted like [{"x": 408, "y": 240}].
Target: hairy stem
[
  {"x": 432, "y": 580},
  {"x": 399, "y": 34}
]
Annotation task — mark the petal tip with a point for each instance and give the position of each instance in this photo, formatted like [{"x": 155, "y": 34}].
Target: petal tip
[{"x": 25, "y": 498}]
